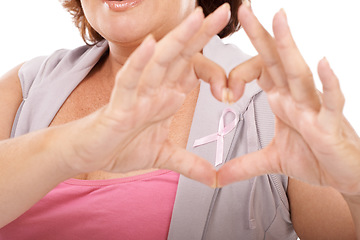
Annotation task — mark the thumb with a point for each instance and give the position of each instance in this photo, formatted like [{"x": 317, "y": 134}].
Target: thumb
[
  {"x": 248, "y": 166},
  {"x": 186, "y": 163}
]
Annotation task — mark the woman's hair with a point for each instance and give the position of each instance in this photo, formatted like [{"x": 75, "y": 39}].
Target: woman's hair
[
  {"x": 90, "y": 36},
  {"x": 210, "y": 5}
]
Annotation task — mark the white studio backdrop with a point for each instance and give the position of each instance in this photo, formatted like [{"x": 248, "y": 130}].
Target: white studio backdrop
[{"x": 321, "y": 28}]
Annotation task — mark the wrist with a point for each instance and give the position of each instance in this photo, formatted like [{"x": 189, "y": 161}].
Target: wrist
[
  {"x": 58, "y": 141},
  {"x": 78, "y": 145}
]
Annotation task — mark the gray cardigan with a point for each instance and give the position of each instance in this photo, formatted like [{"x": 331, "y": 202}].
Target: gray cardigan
[{"x": 253, "y": 209}]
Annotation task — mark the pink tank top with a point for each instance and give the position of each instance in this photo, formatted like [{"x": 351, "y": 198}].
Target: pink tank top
[{"x": 138, "y": 207}]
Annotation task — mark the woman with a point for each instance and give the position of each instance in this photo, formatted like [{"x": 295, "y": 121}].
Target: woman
[{"x": 127, "y": 106}]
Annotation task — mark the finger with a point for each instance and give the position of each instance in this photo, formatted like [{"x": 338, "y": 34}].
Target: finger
[
  {"x": 210, "y": 72},
  {"x": 263, "y": 43},
  {"x": 127, "y": 79},
  {"x": 168, "y": 49},
  {"x": 188, "y": 164},
  {"x": 246, "y": 72},
  {"x": 333, "y": 98},
  {"x": 300, "y": 79},
  {"x": 213, "y": 24},
  {"x": 248, "y": 166}
]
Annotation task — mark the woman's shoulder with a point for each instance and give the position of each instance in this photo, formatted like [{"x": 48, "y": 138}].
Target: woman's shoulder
[
  {"x": 10, "y": 99},
  {"x": 68, "y": 57},
  {"x": 60, "y": 61}
]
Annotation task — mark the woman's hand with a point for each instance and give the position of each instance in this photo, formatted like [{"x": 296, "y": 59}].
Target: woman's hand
[
  {"x": 131, "y": 132},
  {"x": 313, "y": 141}
]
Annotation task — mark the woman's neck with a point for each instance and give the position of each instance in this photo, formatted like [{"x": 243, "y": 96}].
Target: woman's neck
[{"x": 118, "y": 55}]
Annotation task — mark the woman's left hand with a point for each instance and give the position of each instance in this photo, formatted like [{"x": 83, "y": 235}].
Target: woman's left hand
[{"x": 313, "y": 141}]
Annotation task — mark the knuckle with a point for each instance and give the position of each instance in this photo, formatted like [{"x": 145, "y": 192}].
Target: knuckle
[
  {"x": 304, "y": 74},
  {"x": 162, "y": 63},
  {"x": 187, "y": 55},
  {"x": 179, "y": 39},
  {"x": 273, "y": 63},
  {"x": 235, "y": 74}
]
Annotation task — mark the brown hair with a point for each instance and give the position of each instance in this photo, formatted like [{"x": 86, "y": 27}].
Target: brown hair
[
  {"x": 90, "y": 36},
  {"x": 210, "y": 5}
]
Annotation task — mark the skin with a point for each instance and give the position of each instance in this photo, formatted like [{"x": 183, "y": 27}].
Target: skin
[
  {"x": 138, "y": 23},
  {"x": 132, "y": 81},
  {"x": 148, "y": 90},
  {"x": 313, "y": 141}
]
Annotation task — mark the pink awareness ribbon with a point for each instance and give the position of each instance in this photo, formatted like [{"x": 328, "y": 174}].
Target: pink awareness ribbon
[{"x": 219, "y": 136}]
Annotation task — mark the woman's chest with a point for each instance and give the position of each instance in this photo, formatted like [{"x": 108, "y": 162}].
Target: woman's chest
[{"x": 91, "y": 94}]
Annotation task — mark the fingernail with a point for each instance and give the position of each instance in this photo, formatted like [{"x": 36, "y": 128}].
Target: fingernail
[
  {"x": 325, "y": 60},
  {"x": 225, "y": 95},
  {"x": 283, "y": 14},
  {"x": 246, "y": 3},
  {"x": 229, "y": 15},
  {"x": 214, "y": 185},
  {"x": 224, "y": 7},
  {"x": 218, "y": 184},
  {"x": 230, "y": 97},
  {"x": 149, "y": 40},
  {"x": 227, "y": 6},
  {"x": 199, "y": 9}
]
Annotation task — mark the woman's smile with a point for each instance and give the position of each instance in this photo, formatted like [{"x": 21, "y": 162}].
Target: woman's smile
[{"x": 121, "y": 5}]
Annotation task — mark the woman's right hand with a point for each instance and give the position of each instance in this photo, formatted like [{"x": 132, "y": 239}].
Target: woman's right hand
[{"x": 131, "y": 132}]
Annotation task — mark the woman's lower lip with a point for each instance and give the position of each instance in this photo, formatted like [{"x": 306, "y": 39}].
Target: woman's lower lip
[{"x": 123, "y": 5}]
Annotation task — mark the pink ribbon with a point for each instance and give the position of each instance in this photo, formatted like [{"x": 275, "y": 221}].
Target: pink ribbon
[{"x": 219, "y": 136}]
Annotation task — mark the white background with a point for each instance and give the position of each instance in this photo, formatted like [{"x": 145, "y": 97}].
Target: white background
[{"x": 321, "y": 28}]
